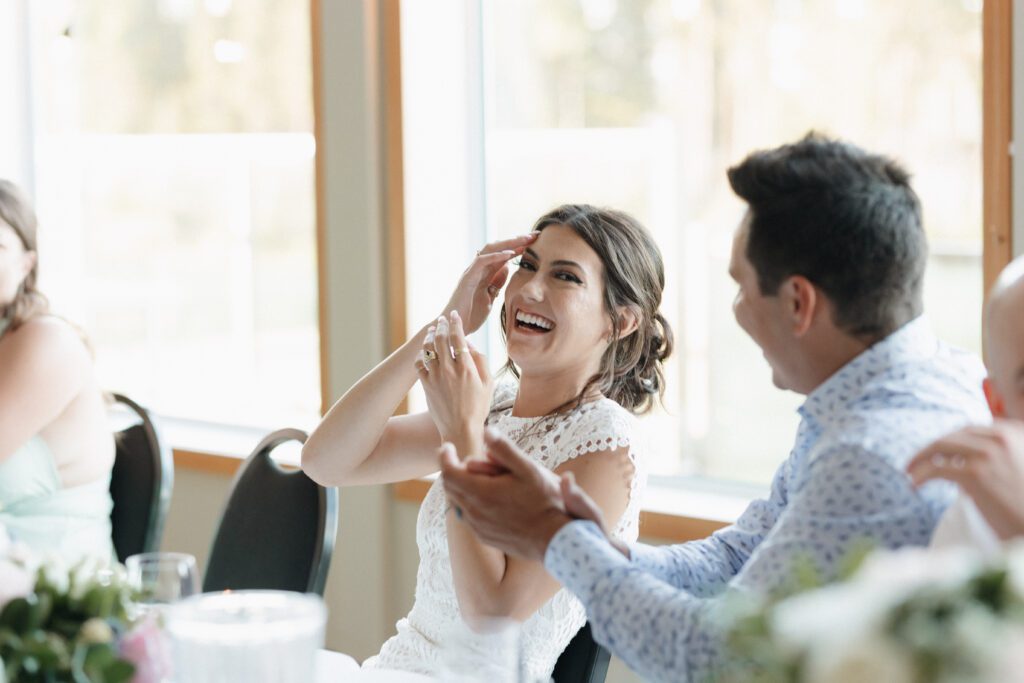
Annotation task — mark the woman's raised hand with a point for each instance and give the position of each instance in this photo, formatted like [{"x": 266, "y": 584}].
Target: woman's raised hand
[
  {"x": 456, "y": 383},
  {"x": 483, "y": 279}
]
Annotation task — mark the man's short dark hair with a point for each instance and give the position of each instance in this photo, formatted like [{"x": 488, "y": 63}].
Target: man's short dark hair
[{"x": 845, "y": 219}]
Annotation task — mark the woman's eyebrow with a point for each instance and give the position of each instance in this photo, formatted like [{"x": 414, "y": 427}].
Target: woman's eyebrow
[
  {"x": 532, "y": 254},
  {"x": 564, "y": 262}
]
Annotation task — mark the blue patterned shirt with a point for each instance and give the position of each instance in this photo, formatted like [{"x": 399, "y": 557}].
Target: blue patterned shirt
[{"x": 843, "y": 485}]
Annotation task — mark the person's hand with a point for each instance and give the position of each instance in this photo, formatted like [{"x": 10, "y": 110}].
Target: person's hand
[
  {"x": 483, "y": 279},
  {"x": 988, "y": 464},
  {"x": 513, "y": 504},
  {"x": 456, "y": 383}
]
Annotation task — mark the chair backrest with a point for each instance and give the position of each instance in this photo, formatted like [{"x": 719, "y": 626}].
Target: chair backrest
[
  {"x": 583, "y": 660},
  {"x": 278, "y": 527},
  {"x": 140, "y": 484}
]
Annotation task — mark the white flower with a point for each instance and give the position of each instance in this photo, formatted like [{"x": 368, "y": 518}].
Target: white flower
[
  {"x": 87, "y": 573},
  {"x": 829, "y": 615},
  {"x": 1008, "y": 665},
  {"x": 19, "y": 553},
  {"x": 900, "y": 572},
  {"x": 863, "y": 659},
  {"x": 1015, "y": 565},
  {"x": 55, "y": 573}
]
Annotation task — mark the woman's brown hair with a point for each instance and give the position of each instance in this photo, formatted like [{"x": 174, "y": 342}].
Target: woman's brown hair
[
  {"x": 631, "y": 372},
  {"x": 29, "y": 302}
]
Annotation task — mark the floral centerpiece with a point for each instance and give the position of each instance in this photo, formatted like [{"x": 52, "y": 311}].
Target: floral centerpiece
[
  {"x": 62, "y": 624},
  {"x": 914, "y": 616}
]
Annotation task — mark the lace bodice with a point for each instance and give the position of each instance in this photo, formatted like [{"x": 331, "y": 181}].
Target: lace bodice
[{"x": 601, "y": 425}]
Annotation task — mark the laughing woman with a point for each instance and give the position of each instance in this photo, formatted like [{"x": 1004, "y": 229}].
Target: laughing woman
[
  {"x": 586, "y": 341},
  {"x": 56, "y": 448}
]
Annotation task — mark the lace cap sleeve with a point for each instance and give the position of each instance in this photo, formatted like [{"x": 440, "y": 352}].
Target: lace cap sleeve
[{"x": 601, "y": 426}]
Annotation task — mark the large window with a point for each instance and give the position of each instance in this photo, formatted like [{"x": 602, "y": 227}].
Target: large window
[
  {"x": 642, "y": 105},
  {"x": 174, "y": 178}
]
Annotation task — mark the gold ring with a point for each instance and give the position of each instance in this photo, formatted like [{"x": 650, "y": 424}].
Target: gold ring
[
  {"x": 429, "y": 355},
  {"x": 456, "y": 352}
]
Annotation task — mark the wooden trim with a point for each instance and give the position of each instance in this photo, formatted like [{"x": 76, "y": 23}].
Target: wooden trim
[
  {"x": 676, "y": 528},
  {"x": 393, "y": 180},
  {"x": 412, "y": 491},
  {"x": 997, "y": 136},
  {"x": 658, "y": 525},
  {"x": 323, "y": 318},
  {"x": 213, "y": 463},
  {"x": 210, "y": 463}
]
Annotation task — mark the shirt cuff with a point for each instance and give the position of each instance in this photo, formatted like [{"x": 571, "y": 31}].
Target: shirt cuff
[{"x": 579, "y": 555}]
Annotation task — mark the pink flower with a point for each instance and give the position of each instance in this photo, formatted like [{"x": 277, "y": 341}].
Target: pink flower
[
  {"x": 147, "y": 648},
  {"x": 15, "y": 582}
]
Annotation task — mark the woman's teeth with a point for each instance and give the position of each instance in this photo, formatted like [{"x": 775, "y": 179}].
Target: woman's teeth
[{"x": 534, "y": 321}]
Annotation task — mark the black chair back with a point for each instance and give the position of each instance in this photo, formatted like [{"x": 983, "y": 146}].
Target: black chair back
[
  {"x": 140, "y": 484},
  {"x": 278, "y": 527},
  {"x": 583, "y": 660}
]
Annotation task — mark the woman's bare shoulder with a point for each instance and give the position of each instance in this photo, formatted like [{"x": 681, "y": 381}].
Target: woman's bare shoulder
[{"x": 46, "y": 339}]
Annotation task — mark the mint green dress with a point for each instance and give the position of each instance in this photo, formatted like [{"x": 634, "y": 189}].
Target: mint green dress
[{"x": 71, "y": 524}]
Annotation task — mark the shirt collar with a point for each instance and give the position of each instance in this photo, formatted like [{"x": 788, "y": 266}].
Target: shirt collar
[{"x": 913, "y": 340}]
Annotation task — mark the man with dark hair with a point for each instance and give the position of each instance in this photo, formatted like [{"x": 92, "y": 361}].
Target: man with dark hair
[
  {"x": 847, "y": 221},
  {"x": 828, "y": 261}
]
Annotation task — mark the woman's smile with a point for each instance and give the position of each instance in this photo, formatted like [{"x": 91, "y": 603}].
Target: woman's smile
[{"x": 531, "y": 323}]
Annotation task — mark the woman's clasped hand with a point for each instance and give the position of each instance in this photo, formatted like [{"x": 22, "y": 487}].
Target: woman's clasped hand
[{"x": 456, "y": 383}]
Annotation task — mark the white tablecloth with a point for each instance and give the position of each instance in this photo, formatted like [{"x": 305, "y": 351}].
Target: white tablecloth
[{"x": 335, "y": 667}]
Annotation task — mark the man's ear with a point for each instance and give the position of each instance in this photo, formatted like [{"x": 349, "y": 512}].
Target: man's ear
[
  {"x": 995, "y": 401},
  {"x": 801, "y": 300},
  {"x": 629, "y": 320}
]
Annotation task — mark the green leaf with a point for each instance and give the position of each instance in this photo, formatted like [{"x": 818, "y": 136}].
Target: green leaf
[
  {"x": 119, "y": 671},
  {"x": 39, "y": 612},
  {"x": 15, "y": 613},
  {"x": 49, "y": 650}
]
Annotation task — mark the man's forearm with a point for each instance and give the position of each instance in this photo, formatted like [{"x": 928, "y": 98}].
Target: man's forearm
[{"x": 659, "y": 631}]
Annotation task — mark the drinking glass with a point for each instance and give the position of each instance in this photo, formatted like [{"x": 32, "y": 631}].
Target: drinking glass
[
  {"x": 490, "y": 651},
  {"x": 246, "y": 637},
  {"x": 161, "y": 579}
]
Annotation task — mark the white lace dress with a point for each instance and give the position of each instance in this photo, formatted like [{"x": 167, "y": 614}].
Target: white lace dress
[{"x": 435, "y": 618}]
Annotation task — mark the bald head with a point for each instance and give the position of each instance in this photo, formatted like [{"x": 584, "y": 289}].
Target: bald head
[{"x": 1004, "y": 341}]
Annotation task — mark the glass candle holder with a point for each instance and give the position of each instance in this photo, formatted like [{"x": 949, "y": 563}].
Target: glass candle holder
[{"x": 246, "y": 637}]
